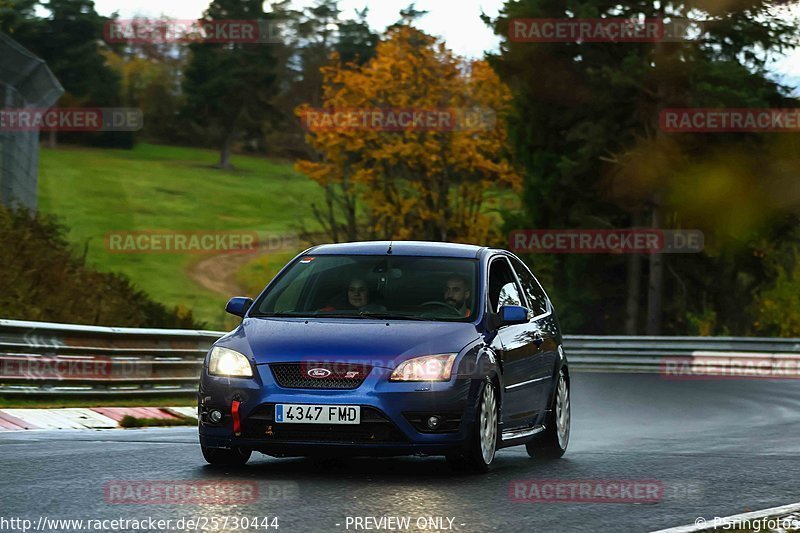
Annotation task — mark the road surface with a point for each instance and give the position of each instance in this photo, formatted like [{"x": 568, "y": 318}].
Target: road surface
[{"x": 714, "y": 448}]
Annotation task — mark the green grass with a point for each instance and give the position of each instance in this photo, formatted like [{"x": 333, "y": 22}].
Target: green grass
[
  {"x": 85, "y": 400},
  {"x": 151, "y": 187},
  {"x": 254, "y": 275}
]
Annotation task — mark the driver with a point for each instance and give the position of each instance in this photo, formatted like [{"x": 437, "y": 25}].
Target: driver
[{"x": 457, "y": 293}]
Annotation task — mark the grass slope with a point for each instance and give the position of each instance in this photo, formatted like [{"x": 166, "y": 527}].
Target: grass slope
[{"x": 151, "y": 187}]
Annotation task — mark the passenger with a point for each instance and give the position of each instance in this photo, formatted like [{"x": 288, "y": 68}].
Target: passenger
[
  {"x": 358, "y": 293},
  {"x": 358, "y": 298}
]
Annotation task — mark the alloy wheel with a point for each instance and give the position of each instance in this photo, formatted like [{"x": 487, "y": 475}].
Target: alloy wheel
[
  {"x": 488, "y": 423},
  {"x": 562, "y": 413}
]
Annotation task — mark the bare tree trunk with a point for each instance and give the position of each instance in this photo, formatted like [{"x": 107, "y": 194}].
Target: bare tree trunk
[
  {"x": 227, "y": 142},
  {"x": 327, "y": 219},
  {"x": 225, "y": 152},
  {"x": 329, "y": 199},
  {"x": 655, "y": 286},
  {"x": 634, "y": 285},
  {"x": 350, "y": 202}
]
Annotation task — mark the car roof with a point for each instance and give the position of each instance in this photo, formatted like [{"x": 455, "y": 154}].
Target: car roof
[{"x": 408, "y": 248}]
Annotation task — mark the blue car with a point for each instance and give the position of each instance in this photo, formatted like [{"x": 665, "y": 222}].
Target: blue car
[{"x": 390, "y": 348}]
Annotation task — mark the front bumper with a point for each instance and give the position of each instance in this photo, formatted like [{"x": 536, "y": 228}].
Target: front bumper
[{"x": 391, "y": 414}]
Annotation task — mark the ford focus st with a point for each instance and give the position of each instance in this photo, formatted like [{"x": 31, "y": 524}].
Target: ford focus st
[{"x": 381, "y": 348}]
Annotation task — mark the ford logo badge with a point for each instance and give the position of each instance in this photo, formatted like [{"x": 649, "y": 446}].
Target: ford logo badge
[{"x": 319, "y": 373}]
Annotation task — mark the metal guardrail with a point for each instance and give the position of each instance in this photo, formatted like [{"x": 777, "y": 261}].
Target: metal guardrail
[
  {"x": 653, "y": 354},
  {"x": 66, "y": 359}
]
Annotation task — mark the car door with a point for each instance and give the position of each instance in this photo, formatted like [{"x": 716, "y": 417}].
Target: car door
[
  {"x": 519, "y": 351},
  {"x": 542, "y": 326}
]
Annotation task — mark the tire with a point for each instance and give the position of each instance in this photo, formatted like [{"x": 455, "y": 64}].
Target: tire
[
  {"x": 226, "y": 457},
  {"x": 482, "y": 444},
  {"x": 552, "y": 443}
]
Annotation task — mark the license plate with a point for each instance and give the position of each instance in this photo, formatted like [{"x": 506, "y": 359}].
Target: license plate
[{"x": 287, "y": 413}]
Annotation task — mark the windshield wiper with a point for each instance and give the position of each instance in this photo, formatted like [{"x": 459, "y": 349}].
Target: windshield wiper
[
  {"x": 279, "y": 315},
  {"x": 361, "y": 314},
  {"x": 368, "y": 314},
  {"x": 365, "y": 314},
  {"x": 334, "y": 315}
]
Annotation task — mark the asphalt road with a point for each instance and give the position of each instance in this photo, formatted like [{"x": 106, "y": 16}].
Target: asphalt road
[{"x": 716, "y": 448}]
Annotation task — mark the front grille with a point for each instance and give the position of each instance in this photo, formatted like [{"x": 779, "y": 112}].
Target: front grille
[
  {"x": 319, "y": 375},
  {"x": 375, "y": 427}
]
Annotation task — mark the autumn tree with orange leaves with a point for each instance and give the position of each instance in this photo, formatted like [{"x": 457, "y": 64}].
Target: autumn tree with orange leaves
[{"x": 412, "y": 183}]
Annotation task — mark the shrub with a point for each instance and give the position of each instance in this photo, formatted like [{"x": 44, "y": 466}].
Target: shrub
[{"x": 44, "y": 280}]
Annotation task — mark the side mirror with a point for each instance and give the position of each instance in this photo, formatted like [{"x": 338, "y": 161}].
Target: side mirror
[
  {"x": 238, "y": 306},
  {"x": 513, "y": 314}
]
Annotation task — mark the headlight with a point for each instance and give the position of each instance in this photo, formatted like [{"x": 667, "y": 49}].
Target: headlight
[
  {"x": 228, "y": 363},
  {"x": 425, "y": 368}
]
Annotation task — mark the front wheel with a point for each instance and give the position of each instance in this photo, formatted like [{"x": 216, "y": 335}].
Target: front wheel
[
  {"x": 552, "y": 444},
  {"x": 483, "y": 439},
  {"x": 225, "y": 457}
]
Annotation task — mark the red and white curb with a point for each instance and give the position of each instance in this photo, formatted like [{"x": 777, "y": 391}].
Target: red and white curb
[
  {"x": 84, "y": 418},
  {"x": 746, "y": 521}
]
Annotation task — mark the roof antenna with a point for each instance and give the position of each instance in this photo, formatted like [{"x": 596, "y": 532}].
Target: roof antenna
[{"x": 389, "y": 251}]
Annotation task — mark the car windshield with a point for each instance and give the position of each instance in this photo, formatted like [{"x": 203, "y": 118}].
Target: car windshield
[{"x": 359, "y": 286}]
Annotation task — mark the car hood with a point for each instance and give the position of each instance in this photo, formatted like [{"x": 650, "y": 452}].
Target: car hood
[{"x": 355, "y": 341}]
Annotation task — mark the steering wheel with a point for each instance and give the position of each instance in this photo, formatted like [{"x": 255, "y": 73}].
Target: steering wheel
[{"x": 443, "y": 306}]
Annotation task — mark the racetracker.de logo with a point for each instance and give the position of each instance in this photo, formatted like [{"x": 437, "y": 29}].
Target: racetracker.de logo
[
  {"x": 55, "y": 368},
  {"x": 396, "y": 119},
  {"x": 585, "y": 491},
  {"x": 604, "y": 30},
  {"x": 730, "y": 120},
  {"x": 160, "y": 31},
  {"x": 741, "y": 366},
  {"x": 196, "y": 242},
  {"x": 604, "y": 241},
  {"x": 72, "y": 119},
  {"x": 585, "y": 30},
  {"x": 176, "y": 492}
]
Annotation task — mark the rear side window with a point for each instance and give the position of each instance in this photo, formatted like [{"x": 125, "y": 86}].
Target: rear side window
[{"x": 537, "y": 300}]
